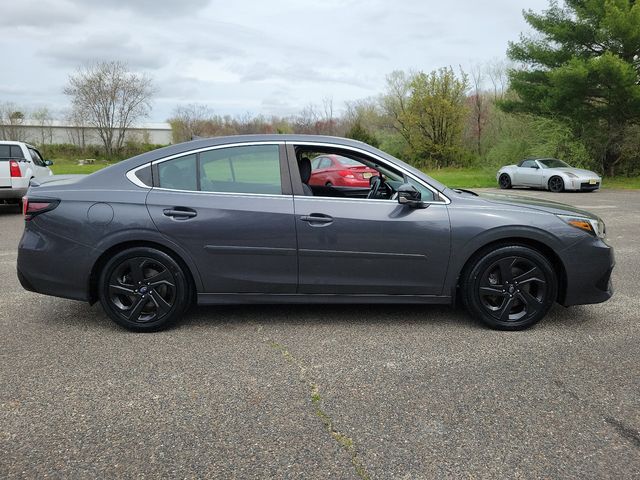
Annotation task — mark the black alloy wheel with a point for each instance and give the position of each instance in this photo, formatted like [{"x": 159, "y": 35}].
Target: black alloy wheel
[
  {"x": 510, "y": 288},
  {"x": 144, "y": 289},
  {"x": 556, "y": 184},
  {"x": 504, "y": 181}
]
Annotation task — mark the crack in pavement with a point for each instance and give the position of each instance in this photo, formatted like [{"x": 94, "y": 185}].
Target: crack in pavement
[
  {"x": 345, "y": 442},
  {"x": 624, "y": 430}
]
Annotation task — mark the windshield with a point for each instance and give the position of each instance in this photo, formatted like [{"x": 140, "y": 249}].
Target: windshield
[
  {"x": 348, "y": 161},
  {"x": 553, "y": 163}
]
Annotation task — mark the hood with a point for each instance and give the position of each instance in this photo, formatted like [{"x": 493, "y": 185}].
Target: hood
[
  {"x": 549, "y": 206},
  {"x": 576, "y": 171}
]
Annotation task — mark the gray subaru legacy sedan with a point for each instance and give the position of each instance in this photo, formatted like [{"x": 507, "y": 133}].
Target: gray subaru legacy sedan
[{"x": 234, "y": 220}]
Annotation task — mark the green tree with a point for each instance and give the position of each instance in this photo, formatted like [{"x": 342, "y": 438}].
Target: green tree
[
  {"x": 583, "y": 68},
  {"x": 358, "y": 132},
  {"x": 429, "y": 111}
]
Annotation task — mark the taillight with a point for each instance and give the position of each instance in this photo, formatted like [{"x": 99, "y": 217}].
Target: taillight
[
  {"x": 346, "y": 174},
  {"x": 14, "y": 169},
  {"x": 36, "y": 206}
]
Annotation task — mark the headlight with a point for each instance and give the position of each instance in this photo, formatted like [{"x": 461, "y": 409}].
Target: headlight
[
  {"x": 571, "y": 175},
  {"x": 593, "y": 226}
]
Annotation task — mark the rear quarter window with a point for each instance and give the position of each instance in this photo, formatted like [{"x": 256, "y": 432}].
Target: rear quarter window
[{"x": 10, "y": 151}]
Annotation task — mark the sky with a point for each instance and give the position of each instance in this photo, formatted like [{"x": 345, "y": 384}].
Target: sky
[{"x": 271, "y": 57}]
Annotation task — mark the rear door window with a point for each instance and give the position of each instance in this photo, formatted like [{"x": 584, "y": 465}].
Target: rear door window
[
  {"x": 243, "y": 169},
  {"x": 179, "y": 174}
]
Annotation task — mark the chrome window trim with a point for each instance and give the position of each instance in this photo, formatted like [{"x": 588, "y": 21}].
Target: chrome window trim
[
  {"x": 131, "y": 175},
  {"x": 216, "y": 147},
  {"x": 228, "y": 194},
  {"x": 136, "y": 181},
  {"x": 436, "y": 193}
]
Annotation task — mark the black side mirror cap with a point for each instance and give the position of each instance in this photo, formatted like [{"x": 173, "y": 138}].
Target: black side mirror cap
[{"x": 410, "y": 196}]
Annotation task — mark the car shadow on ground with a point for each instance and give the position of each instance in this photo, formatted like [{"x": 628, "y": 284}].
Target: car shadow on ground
[
  {"x": 81, "y": 315},
  {"x": 10, "y": 209},
  {"x": 78, "y": 314}
]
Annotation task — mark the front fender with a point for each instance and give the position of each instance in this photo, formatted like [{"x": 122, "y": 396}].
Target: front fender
[{"x": 463, "y": 251}]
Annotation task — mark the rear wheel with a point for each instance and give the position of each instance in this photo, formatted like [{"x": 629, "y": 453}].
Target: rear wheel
[
  {"x": 556, "y": 184},
  {"x": 510, "y": 287},
  {"x": 504, "y": 181},
  {"x": 144, "y": 289}
]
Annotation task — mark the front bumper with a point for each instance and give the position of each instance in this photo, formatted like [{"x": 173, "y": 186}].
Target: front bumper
[
  {"x": 588, "y": 265},
  {"x": 584, "y": 184}
]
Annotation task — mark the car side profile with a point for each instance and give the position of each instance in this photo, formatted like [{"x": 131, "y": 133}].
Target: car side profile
[
  {"x": 19, "y": 163},
  {"x": 335, "y": 170},
  {"x": 549, "y": 174},
  {"x": 234, "y": 220}
]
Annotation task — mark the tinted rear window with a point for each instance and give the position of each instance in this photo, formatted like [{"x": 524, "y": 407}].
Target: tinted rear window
[{"x": 10, "y": 151}]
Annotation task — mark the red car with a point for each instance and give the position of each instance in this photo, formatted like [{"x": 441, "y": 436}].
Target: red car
[{"x": 336, "y": 170}]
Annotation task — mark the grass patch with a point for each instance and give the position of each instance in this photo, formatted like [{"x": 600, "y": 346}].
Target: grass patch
[
  {"x": 622, "y": 182},
  {"x": 465, "y": 177},
  {"x": 63, "y": 166}
]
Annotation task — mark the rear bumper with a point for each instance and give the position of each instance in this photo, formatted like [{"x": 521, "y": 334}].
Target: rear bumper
[
  {"x": 588, "y": 265},
  {"x": 12, "y": 193},
  {"x": 53, "y": 265}
]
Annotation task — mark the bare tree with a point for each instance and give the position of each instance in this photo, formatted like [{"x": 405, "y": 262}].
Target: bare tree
[
  {"x": 112, "y": 98},
  {"x": 44, "y": 120},
  {"x": 497, "y": 73},
  {"x": 306, "y": 120},
  {"x": 188, "y": 121},
  {"x": 11, "y": 120},
  {"x": 479, "y": 105},
  {"x": 328, "y": 125},
  {"x": 77, "y": 127}
]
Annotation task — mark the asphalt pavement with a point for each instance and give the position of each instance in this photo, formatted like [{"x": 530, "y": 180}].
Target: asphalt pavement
[{"x": 407, "y": 392}]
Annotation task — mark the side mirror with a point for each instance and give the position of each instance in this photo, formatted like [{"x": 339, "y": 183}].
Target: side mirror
[
  {"x": 535, "y": 167},
  {"x": 48, "y": 163},
  {"x": 410, "y": 196}
]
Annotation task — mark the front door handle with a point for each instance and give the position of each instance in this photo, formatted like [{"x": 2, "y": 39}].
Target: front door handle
[
  {"x": 317, "y": 218},
  {"x": 179, "y": 212}
]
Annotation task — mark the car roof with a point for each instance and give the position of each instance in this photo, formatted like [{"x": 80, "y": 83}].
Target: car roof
[
  {"x": 203, "y": 143},
  {"x": 14, "y": 142}
]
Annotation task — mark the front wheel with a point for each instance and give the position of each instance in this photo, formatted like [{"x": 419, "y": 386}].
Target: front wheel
[
  {"x": 504, "y": 181},
  {"x": 509, "y": 288},
  {"x": 556, "y": 184},
  {"x": 144, "y": 289}
]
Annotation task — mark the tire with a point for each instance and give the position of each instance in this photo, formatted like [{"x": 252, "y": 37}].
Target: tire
[
  {"x": 328, "y": 184},
  {"x": 511, "y": 287},
  {"x": 144, "y": 289},
  {"x": 504, "y": 182},
  {"x": 556, "y": 184}
]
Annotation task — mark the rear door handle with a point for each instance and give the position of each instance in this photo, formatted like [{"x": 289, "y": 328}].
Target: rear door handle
[
  {"x": 317, "y": 218},
  {"x": 179, "y": 212}
]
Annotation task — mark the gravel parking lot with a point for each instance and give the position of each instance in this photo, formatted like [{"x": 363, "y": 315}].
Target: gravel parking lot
[{"x": 403, "y": 392}]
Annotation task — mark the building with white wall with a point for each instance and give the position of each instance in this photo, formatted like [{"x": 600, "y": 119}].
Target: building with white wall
[{"x": 55, "y": 132}]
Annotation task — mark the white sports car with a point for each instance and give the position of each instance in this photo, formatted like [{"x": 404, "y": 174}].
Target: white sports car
[{"x": 548, "y": 173}]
